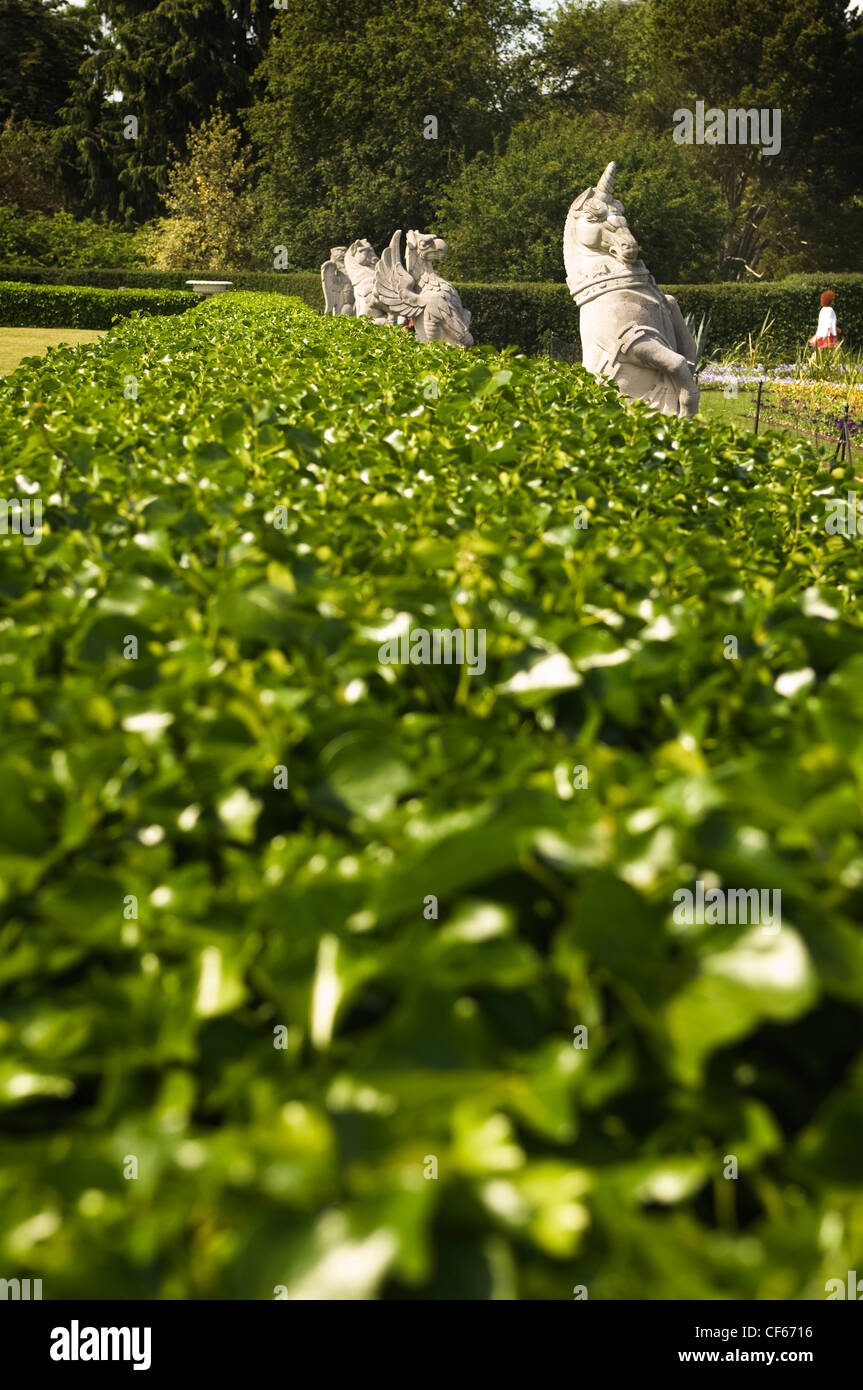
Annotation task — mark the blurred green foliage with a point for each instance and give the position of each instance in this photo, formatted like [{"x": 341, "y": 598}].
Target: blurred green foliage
[{"x": 426, "y": 485}]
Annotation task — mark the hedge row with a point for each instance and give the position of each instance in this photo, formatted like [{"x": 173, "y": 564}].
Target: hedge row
[
  {"x": 793, "y": 303},
  {"x": 445, "y": 946},
  {"x": 525, "y": 315},
  {"x": 303, "y": 284},
  {"x": 72, "y": 306}
]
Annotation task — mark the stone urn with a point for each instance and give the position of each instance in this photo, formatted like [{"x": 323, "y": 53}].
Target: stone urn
[{"x": 208, "y": 287}]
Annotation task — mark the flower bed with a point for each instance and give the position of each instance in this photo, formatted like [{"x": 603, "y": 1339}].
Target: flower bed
[{"x": 816, "y": 407}]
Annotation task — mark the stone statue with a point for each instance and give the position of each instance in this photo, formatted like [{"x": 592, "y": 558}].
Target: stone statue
[
  {"x": 338, "y": 290},
  {"x": 631, "y": 332},
  {"x": 361, "y": 261},
  {"x": 419, "y": 293}
]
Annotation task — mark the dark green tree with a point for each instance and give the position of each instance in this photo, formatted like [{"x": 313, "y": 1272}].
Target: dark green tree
[
  {"x": 368, "y": 106},
  {"x": 28, "y": 167},
  {"x": 801, "y": 57},
  {"x": 503, "y": 217},
  {"x": 594, "y": 55},
  {"x": 42, "y": 43},
  {"x": 168, "y": 65}
]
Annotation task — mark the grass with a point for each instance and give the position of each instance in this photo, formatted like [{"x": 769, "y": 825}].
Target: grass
[
  {"x": 18, "y": 343},
  {"x": 740, "y": 411}
]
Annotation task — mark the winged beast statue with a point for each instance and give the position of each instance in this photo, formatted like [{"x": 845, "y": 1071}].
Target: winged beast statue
[
  {"x": 338, "y": 290},
  {"x": 419, "y": 293},
  {"x": 361, "y": 261},
  {"x": 631, "y": 332}
]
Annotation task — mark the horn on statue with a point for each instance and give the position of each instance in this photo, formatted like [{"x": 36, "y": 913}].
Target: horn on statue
[{"x": 605, "y": 187}]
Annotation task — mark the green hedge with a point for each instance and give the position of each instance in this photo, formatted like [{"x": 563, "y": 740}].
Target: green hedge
[
  {"x": 448, "y": 933},
  {"x": 736, "y": 310},
  {"x": 303, "y": 284},
  {"x": 524, "y": 315},
  {"x": 71, "y": 306}
]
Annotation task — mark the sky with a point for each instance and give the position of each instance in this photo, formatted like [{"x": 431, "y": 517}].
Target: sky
[{"x": 549, "y": 6}]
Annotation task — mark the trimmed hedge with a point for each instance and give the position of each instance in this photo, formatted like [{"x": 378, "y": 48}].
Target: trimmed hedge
[
  {"x": 736, "y": 310},
  {"x": 303, "y": 284},
  {"x": 293, "y": 1028},
  {"x": 520, "y": 315},
  {"x": 525, "y": 315},
  {"x": 71, "y": 306}
]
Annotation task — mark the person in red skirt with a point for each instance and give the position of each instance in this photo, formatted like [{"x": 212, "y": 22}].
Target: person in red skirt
[{"x": 827, "y": 333}]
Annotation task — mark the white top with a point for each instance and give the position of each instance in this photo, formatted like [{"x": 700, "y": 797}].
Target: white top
[{"x": 826, "y": 323}]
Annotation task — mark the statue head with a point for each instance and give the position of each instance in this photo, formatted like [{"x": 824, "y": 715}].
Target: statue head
[
  {"x": 337, "y": 254},
  {"x": 363, "y": 252},
  {"x": 425, "y": 246},
  {"x": 600, "y": 225}
]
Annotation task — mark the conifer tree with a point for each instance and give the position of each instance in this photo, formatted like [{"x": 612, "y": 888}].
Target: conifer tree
[
  {"x": 42, "y": 44},
  {"x": 156, "y": 72}
]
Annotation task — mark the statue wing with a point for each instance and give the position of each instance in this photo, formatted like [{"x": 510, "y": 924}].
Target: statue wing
[
  {"x": 412, "y": 260},
  {"x": 394, "y": 286},
  {"x": 330, "y": 277}
]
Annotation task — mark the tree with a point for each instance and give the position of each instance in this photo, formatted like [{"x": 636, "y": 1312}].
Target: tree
[
  {"x": 156, "y": 73},
  {"x": 503, "y": 218},
  {"x": 29, "y": 177},
  {"x": 211, "y": 215},
  {"x": 593, "y": 55},
  {"x": 42, "y": 43},
  {"x": 367, "y": 106},
  {"x": 802, "y": 58}
]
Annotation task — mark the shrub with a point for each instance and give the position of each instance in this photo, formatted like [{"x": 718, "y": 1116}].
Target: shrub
[
  {"x": 59, "y": 239},
  {"x": 211, "y": 218},
  {"x": 284, "y": 494},
  {"x": 66, "y": 306}
]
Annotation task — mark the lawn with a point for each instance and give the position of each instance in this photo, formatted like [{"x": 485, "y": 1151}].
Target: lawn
[
  {"x": 740, "y": 411},
  {"x": 18, "y": 343}
]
